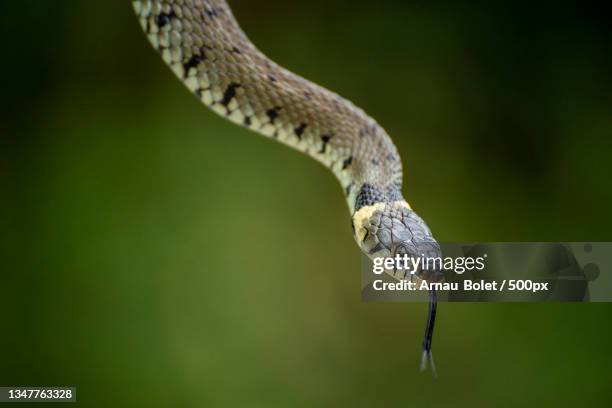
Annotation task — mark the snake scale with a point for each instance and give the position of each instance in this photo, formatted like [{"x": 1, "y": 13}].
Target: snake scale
[{"x": 205, "y": 47}]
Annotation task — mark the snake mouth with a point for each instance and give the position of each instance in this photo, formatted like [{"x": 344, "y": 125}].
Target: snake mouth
[{"x": 420, "y": 274}]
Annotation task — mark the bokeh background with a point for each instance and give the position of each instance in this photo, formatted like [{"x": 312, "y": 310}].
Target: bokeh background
[{"x": 155, "y": 255}]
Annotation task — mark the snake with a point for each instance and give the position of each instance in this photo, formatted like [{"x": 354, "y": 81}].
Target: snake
[{"x": 203, "y": 44}]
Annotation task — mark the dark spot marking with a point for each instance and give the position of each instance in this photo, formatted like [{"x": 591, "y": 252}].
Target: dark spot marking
[
  {"x": 369, "y": 195},
  {"x": 273, "y": 113},
  {"x": 308, "y": 95},
  {"x": 375, "y": 162},
  {"x": 325, "y": 139},
  {"x": 236, "y": 50},
  {"x": 299, "y": 131},
  {"x": 210, "y": 12},
  {"x": 347, "y": 162},
  {"x": 247, "y": 121},
  {"x": 193, "y": 63},
  {"x": 272, "y": 78},
  {"x": 229, "y": 94},
  {"x": 163, "y": 19}
]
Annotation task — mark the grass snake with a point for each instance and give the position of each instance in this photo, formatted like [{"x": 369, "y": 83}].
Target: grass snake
[{"x": 206, "y": 48}]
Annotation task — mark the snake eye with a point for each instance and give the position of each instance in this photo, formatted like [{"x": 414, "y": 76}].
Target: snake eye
[{"x": 401, "y": 250}]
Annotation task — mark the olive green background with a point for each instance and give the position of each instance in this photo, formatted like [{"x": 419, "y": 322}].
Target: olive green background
[{"x": 156, "y": 255}]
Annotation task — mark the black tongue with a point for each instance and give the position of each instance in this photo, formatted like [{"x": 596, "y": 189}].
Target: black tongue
[{"x": 426, "y": 356}]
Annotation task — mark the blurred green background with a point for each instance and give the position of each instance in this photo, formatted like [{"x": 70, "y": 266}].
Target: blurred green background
[{"x": 156, "y": 255}]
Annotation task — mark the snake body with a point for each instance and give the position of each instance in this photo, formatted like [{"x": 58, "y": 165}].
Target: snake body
[{"x": 205, "y": 47}]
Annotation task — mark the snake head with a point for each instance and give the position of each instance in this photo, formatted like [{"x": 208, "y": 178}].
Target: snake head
[{"x": 385, "y": 230}]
